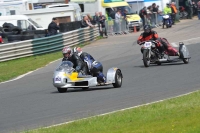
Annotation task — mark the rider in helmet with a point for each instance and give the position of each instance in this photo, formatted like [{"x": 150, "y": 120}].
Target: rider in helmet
[
  {"x": 162, "y": 43},
  {"x": 95, "y": 68},
  {"x": 69, "y": 55},
  {"x": 167, "y": 9}
]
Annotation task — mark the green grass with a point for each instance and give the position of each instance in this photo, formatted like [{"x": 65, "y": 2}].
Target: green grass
[
  {"x": 178, "y": 115},
  {"x": 13, "y": 68}
]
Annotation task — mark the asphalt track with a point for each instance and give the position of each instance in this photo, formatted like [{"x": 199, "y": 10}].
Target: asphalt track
[{"x": 32, "y": 101}]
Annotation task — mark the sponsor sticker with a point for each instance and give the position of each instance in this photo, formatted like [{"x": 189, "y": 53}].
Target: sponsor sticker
[{"x": 57, "y": 80}]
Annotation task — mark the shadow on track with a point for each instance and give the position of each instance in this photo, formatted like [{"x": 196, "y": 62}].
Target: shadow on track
[{"x": 72, "y": 90}]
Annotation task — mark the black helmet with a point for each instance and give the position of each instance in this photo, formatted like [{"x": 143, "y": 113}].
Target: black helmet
[{"x": 147, "y": 29}]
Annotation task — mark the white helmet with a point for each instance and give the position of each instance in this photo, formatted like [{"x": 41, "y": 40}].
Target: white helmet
[
  {"x": 79, "y": 51},
  {"x": 67, "y": 52}
]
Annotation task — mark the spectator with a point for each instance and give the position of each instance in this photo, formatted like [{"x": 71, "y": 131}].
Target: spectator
[
  {"x": 102, "y": 19},
  {"x": 85, "y": 22},
  {"x": 96, "y": 18},
  {"x": 188, "y": 4},
  {"x": 117, "y": 21},
  {"x": 159, "y": 11},
  {"x": 143, "y": 14},
  {"x": 154, "y": 8},
  {"x": 112, "y": 13},
  {"x": 198, "y": 6},
  {"x": 174, "y": 12},
  {"x": 125, "y": 18},
  {"x": 195, "y": 10},
  {"x": 154, "y": 11},
  {"x": 89, "y": 18},
  {"x": 53, "y": 27},
  {"x": 149, "y": 15}
]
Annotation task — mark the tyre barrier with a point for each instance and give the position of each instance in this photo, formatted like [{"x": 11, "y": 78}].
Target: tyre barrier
[
  {"x": 12, "y": 38},
  {"x": 44, "y": 45}
]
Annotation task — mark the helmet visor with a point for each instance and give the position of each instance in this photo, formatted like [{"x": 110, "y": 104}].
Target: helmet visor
[
  {"x": 67, "y": 54},
  {"x": 147, "y": 30}
]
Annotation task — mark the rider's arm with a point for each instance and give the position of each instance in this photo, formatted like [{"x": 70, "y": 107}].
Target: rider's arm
[
  {"x": 155, "y": 35},
  {"x": 140, "y": 39},
  {"x": 78, "y": 61}
]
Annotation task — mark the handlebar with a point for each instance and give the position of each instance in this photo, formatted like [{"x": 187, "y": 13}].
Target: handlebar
[{"x": 148, "y": 41}]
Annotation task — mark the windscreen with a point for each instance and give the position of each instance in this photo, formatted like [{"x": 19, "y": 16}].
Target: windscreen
[
  {"x": 127, "y": 8},
  {"x": 66, "y": 66},
  {"x": 34, "y": 23}
]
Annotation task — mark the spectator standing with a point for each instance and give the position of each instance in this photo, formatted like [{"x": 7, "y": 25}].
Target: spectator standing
[
  {"x": 112, "y": 13},
  {"x": 155, "y": 12},
  {"x": 96, "y": 18},
  {"x": 194, "y": 5},
  {"x": 85, "y": 22},
  {"x": 102, "y": 20},
  {"x": 89, "y": 18},
  {"x": 149, "y": 15},
  {"x": 159, "y": 11},
  {"x": 188, "y": 4},
  {"x": 174, "y": 12},
  {"x": 198, "y": 7},
  {"x": 117, "y": 21},
  {"x": 53, "y": 27},
  {"x": 143, "y": 14},
  {"x": 125, "y": 17}
]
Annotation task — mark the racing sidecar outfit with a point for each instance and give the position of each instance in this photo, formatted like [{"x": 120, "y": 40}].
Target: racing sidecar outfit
[{"x": 162, "y": 43}]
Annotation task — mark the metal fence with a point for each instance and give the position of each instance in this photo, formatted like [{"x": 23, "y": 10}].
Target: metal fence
[
  {"x": 121, "y": 26},
  {"x": 116, "y": 26},
  {"x": 154, "y": 19},
  {"x": 49, "y": 44}
]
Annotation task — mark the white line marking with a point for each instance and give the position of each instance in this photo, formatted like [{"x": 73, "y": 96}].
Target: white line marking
[
  {"x": 122, "y": 109},
  {"x": 188, "y": 41},
  {"x": 174, "y": 44}
]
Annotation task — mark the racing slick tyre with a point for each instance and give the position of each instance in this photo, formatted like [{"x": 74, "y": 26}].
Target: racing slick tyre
[
  {"x": 62, "y": 90},
  {"x": 146, "y": 59},
  {"x": 186, "y": 60},
  {"x": 118, "y": 79}
]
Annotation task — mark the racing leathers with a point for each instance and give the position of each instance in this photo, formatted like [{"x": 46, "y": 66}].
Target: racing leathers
[
  {"x": 78, "y": 63},
  {"x": 95, "y": 68},
  {"x": 162, "y": 43}
]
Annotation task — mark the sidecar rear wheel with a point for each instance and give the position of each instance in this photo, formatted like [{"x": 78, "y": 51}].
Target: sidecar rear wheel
[
  {"x": 186, "y": 60},
  {"x": 118, "y": 79}
]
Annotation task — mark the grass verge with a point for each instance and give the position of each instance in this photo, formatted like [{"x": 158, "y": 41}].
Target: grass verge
[
  {"x": 177, "y": 115},
  {"x": 13, "y": 68}
]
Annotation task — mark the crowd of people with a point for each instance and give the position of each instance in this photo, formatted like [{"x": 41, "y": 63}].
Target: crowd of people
[
  {"x": 150, "y": 13},
  {"x": 117, "y": 15},
  {"x": 98, "y": 19}
]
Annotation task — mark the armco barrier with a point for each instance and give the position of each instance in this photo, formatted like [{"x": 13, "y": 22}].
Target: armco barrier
[{"x": 47, "y": 44}]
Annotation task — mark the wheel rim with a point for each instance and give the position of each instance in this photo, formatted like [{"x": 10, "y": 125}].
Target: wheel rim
[{"x": 119, "y": 79}]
